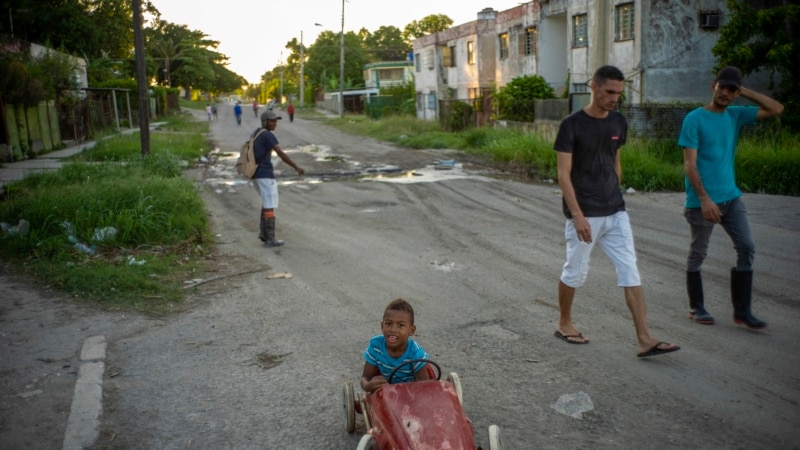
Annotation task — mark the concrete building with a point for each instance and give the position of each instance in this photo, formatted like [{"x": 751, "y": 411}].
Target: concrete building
[
  {"x": 389, "y": 73},
  {"x": 663, "y": 48}
]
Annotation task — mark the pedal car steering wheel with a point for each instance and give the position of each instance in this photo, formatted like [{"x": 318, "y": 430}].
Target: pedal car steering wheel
[{"x": 412, "y": 361}]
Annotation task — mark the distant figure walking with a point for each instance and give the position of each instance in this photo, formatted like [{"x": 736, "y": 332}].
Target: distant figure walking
[
  {"x": 208, "y": 111},
  {"x": 214, "y": 110},
  {"x": 237, "y": 110},
  {"x": 290, "y": 110},
  {"x": 255, "y": 108}
]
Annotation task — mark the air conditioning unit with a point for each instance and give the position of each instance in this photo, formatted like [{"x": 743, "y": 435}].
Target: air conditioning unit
[{"x": 709, "y": 20}]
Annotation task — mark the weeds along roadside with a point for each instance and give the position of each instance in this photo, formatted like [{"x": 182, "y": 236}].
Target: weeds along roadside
[
  {"x": 113, "y": 227},
  {"x": 767, "y": 162}
]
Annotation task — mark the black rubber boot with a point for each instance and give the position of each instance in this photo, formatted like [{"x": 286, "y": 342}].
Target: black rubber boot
[
  {"x": 262, "y": 234},
  {"x": 697, "y": 310},
  {"x": 741, "y": 296},
  {"x": 270, "y": 233}
]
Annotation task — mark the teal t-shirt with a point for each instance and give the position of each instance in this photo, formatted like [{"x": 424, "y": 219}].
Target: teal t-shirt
[
  {"x": 714, "y": 136},
  {"x": 377, "y": 355}
]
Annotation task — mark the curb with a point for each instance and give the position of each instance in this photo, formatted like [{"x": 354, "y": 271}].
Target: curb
[{"x": 83, "y": 424}]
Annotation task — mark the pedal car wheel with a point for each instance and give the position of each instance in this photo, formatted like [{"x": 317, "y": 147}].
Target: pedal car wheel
[
  {"x": 452, "y": 377},
  {"x": 348, "y": 400},
  {"x": 367, "y": 442},
  {"x": 495, "y": 440}
]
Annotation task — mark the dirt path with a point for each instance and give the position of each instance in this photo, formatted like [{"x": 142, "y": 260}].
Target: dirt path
[{"x": 259, "y": 363}]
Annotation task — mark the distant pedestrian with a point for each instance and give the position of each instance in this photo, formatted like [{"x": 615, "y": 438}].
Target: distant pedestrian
[
  {"x": 264, "y": 178},
  {"x": 290, "y": 110},
  {"x": 708, "y": 137},
  {"x": 237, "y": 111},
  {"x": 208, "y": 111},
  {"x": 255, "y": 108},
  {"x": 589, "y": 143},
  {"x": 214, "y": 110}
]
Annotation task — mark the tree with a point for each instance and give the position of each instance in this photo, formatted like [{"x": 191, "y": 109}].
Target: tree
[
  {"x": 323, "y": 60},
  {"x": 765, "y": 38},
  {"x": 385, "y": 44},
  {"x": 187, "y": 58},
  {"x": 89, "y": 28},
  {"x": 433, "y": 23}
]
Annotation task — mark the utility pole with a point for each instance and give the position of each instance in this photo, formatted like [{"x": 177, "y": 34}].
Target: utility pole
[
  {"x": 341, "y": 67},
  {"x": 141, "y": 78},
  {"x": 302, "y": 77}
]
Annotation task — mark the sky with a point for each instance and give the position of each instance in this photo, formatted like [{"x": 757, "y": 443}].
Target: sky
[{"x": 253, "y": 33}]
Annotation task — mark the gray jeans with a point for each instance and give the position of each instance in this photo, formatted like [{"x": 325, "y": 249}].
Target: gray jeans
[{"x": 734, "y": 222}]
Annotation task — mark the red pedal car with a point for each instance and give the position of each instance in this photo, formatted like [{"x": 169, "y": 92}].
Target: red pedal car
[{"x": 418, "y": 415}]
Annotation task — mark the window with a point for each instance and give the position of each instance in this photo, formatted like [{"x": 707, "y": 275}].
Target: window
[
  {"x": 531, "y": 34},
  {"x": 503, "y": 41},
  {"x": 429, "y": 59},
  {"x": 449, "y": 56},
  {"x": 432, "y": 100},
  {"x": 623, "y": 22},
  {"x": 580, "y": 88},
  {"x": 417, "y": 63},
  {"x": 580, "y": 33},
  {"x": 470, "y": 52}
]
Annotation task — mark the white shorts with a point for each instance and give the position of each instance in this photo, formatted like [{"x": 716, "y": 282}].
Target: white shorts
[
  {"x": 267, "y": 189},
  {"x": 615, "y": 237}
]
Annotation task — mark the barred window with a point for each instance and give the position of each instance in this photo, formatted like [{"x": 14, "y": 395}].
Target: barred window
[
  {"x": 580, "y": 32},
  {"x": 623, "y": 19},
  {"x": 503, "y": 41},
  {"x": 470, "y": 52},
  {"x": 531, "y": 35},
  {"x": 417, "y": 62}
]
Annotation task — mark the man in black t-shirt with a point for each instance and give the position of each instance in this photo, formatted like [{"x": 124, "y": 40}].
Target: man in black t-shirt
[{"x": 589, "y": 174}]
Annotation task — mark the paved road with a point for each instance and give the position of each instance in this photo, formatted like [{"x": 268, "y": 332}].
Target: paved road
[{"x": 259, "y": 363}]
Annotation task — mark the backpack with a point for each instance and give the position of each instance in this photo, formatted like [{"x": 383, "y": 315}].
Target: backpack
[{"x": 246, "y": 164}]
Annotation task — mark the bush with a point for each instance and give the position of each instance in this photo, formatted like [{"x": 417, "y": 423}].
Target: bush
[{"x": 515, "y": 100}]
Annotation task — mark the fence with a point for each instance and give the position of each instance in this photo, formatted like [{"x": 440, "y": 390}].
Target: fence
[
  {"x": 655, "y": 120},
  {"x": 30, "y": 131},
  {"x": 459, "y": 114}
]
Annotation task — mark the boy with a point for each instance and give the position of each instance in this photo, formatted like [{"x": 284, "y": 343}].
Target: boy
[{"x": 389, "y": 350}]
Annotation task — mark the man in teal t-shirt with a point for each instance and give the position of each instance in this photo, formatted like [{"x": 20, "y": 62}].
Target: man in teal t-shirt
[{"x": 708, "y": 137}]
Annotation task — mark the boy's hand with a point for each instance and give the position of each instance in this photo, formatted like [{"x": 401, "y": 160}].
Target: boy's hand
[{"x": 376, "y": 382}]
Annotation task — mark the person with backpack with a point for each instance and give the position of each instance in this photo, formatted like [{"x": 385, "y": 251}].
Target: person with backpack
[{"x": 264, "y": 179}]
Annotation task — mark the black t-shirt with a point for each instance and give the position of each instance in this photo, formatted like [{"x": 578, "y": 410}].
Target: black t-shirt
[{"x": 594, "y": 144}]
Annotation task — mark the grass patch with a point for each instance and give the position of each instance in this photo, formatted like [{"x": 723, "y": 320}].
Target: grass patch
[
  {"x": 767, "y": 161},
  {"x": 181, "y": 137},
  {"x": 161, "y": 229}
]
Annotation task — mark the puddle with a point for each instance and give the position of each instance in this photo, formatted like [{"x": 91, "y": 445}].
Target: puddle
[
  {"x": 428, "y": 174},
  {"x": 222, "y": 173}
]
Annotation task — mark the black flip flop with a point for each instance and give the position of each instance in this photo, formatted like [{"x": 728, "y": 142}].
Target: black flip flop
[
  {"x": 658, "y": 351},
  {"x": 566, "y": 337}
]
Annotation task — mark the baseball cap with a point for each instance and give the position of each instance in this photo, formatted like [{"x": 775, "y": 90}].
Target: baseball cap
[
  {"x": 269, "y": 115},
  {"x": 730, "y": 77}
]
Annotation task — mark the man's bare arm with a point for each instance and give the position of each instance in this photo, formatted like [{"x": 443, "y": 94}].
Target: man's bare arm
[{"x": 767, "y": 106}]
